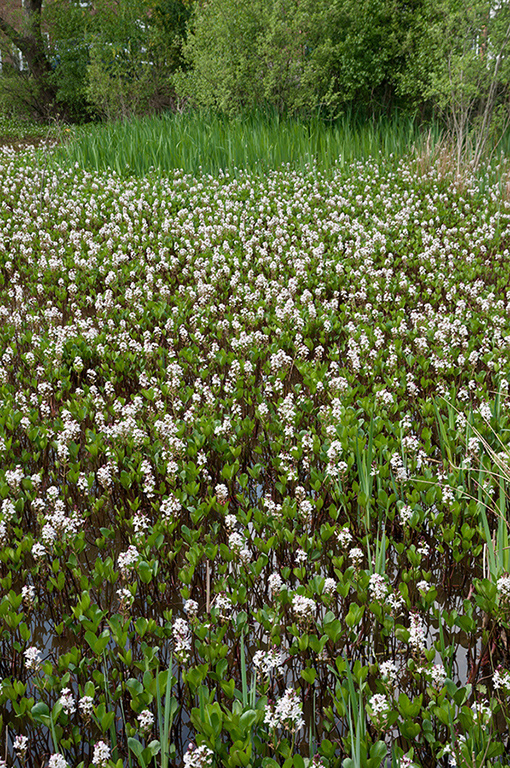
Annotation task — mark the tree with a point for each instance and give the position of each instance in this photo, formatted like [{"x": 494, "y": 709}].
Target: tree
[
  {"x": 222, "y": 54},
  {"x": 469, "y": 80},
  {"x": 30, "y": 41},
  {"x": 302, "y": 55},
  {"x": 134, "y": 49}
]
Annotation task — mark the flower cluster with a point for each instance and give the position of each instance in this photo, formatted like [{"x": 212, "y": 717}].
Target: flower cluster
[
  {"x": 198, "y": 757},
  {"x": 501, "y": 680},
  {"x": 191, "y": 608},
  {"x": 378, "y": 587},
  {"x": 32, "y": 658},
  {"x": 304, "y": 607},
  {"x": 20, "y": 745},
  {"x": 127, "y": 560},
  {"x": 389, "y": 672},
  {"x": 503, "y": 585},
  {"x": 223, "y": 604},
  {"x": 267, "y": 661},
  {"x": 287, "y": 713},
  {"x": 182, "y": 639},
  {"x": 57, "y": 761},
  {"x": 379, "y": 709},
  {"x": 416, "y": 633},
  {"x": 101, "y": 754},
  {"x": 86, "y": 706},
  {"x": 145, "y": 720},
  {"x": 67, "y": 701}
]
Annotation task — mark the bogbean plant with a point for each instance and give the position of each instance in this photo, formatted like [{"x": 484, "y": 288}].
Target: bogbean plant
[{"x": 248, "y": 430}]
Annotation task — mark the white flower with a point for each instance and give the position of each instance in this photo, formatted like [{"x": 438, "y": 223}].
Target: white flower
[
  {"x": 221, "y": 491},
  {"x": 32, "y": 658},
  {"x": 235, "y": 542},
  {"x": 191, "y": 608},
  {"x": 344, "y": 537},
  {"x": 104, "y": 476},
  {"x": 101, "y": 754},
  {"x": 266, "y": 661},
  {"x": 378, "y": 587},
  {"x": 78, "y": 364},
  {"x": 275, "y": 583},
  {"x": 394, "y": 602},
  {"x": 125, "y": 597},
  {"x": 356, "y": 555},
  {"x": 287, "y": 713},
  {"x": 86, "y": 706},
  {"x": 485, "y": 411},
  {"x": 8, "y": 509},
  {"x": 170, "y": 508},
  {"x": 57, "y": 761},
  {"x": 503, "y": 585},
  {"x": 329, "y": 586},
  {"x": 405, "y": 513},
  {"x": 245, "y": 555},
  {"x": 38, "y": 550},
  {"x": 182, "y": 639},
  {"x": 303, "y": 607},
  {"x": 198, "y": 757},
  {"x": 481, "y": 713},
  {"x": 416, "y": 633},
  {"x": 140, "y": 523},
  {"x": 127, "y": 560},
  {"x": 389, "y": 671},
  {"x": 438, "y": 676},
  {"x": 380, "y": 707},
  {"x": 20, "y": 745},
  {"x": 501, "y": 680},
  {"x": 13, "y": 477},
  {"x": 146, "y": 720},
  {"x": 224, "y": 605},
  {"x": 301, "y": 557},
  {"x": 67, "y": 701},
  {"x": 28, "y": 595}
]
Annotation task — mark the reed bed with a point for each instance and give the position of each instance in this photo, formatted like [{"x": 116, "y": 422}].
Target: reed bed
[{"x": 198, "y": 142}]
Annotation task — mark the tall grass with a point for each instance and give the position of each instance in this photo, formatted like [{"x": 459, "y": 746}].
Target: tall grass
[{"x": 199, "y": 142}]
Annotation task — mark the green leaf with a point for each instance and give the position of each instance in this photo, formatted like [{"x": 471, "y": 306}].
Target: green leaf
[
  {"x": 247, "y": 719},
  {"x": 355, "y": 614},
  {"x": 144, "y": 571},
  {"x": 41, "y": 713},
  {"x": 135, "y": 746},
  {"x": 333, "y": 629},
  {"x": 309, "y": 675}
]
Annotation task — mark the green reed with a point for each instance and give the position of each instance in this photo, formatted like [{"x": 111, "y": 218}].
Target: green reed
[{"x": 199, "y": 142}]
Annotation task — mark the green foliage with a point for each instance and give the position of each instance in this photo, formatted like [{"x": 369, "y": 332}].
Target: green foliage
[
  {"x": 113, "y": 60},
  {"x": 18, "y": 95},
  {"x": 442, "y": 59},
  {"x": 300, "y": 56},
  {"x": 68, "y": 51},
  {"x": 128, "y": 72},
  {"x": 223, "y": 53},
  {"x": 13, "y": 128},
  {"x": 361, "y": 52}
]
